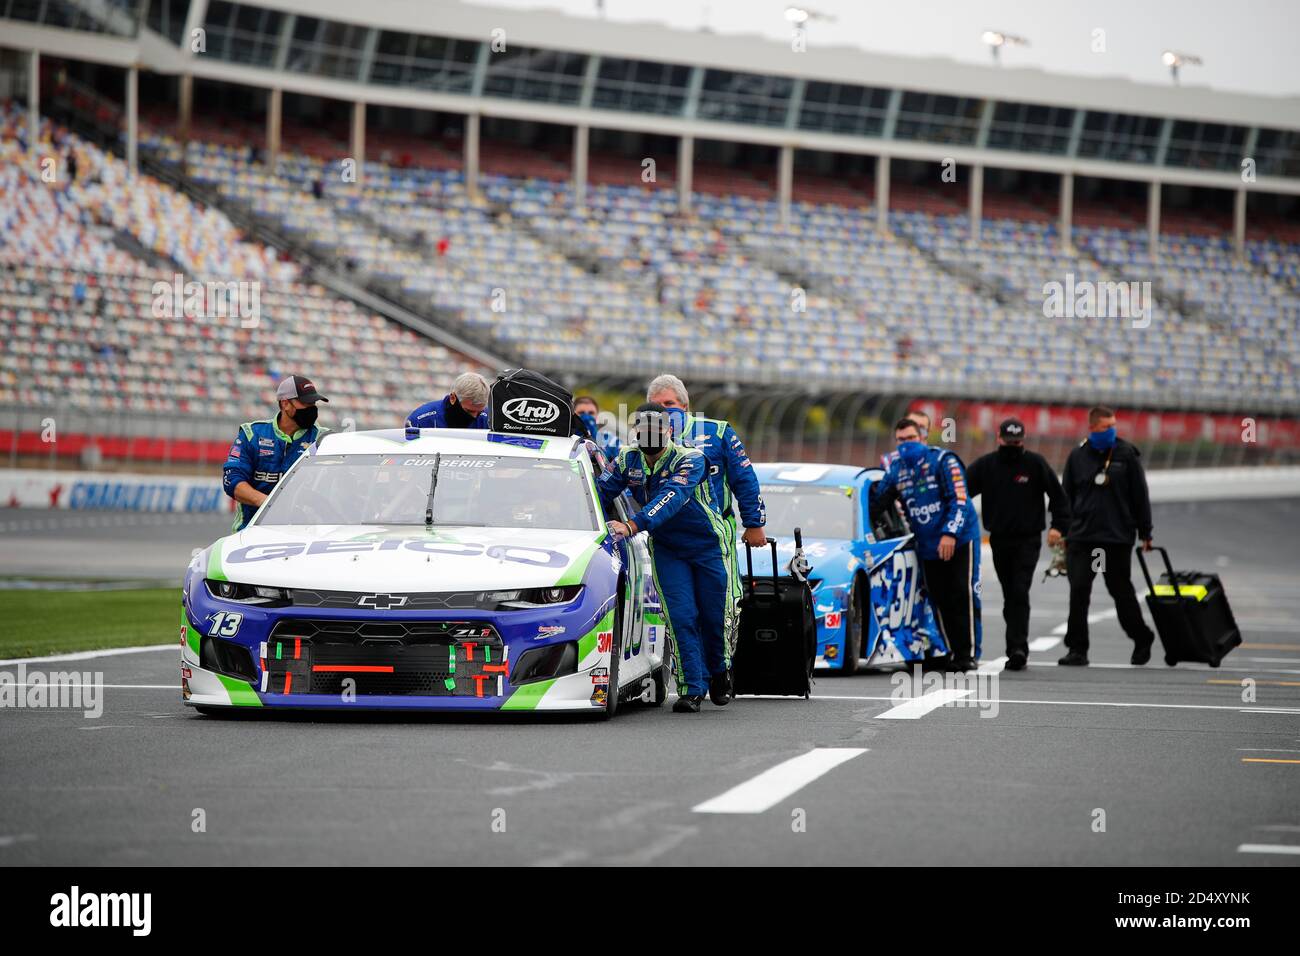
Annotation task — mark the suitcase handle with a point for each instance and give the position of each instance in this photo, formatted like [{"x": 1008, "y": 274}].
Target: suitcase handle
[
  {"x": 749, "y": 563},
  {"x": 1142, "y": 560}
]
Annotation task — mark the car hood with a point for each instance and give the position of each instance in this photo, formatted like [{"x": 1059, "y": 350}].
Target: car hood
[{"x": 406, "y": 558}]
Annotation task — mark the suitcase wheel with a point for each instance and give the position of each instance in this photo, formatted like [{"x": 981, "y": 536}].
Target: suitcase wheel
[
  {"x": 1215, "y": 662},
  {"x": 1171, "y": 660}
]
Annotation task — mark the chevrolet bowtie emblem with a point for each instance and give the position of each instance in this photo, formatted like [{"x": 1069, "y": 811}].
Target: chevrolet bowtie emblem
[{"x": 381, "y": 602}]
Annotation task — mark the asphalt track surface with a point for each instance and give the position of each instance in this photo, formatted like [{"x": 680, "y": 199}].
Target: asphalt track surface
[{"x": 1184, "y": 771}]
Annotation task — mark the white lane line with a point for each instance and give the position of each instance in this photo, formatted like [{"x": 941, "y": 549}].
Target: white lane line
[
  {"x": 87, "y": 655},
  {"x": 1280, "y": 848},
  {"x": 1094, "y": 703},
  {"x": 776, "y": 783},
  {"x": 1182, "y": 665},
  {"x": 118, "y": 686},
  {"x": 1267, "y": 750},
  {"x": 1044, "y": 643},
  {"x": 996, "y": 666},
  {"x": 1092, "y": 619},
  {"x": 917, "y": 707}
]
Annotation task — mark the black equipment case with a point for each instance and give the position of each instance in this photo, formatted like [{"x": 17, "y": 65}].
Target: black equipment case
[
  {"x": 526, "y": 402},
  {"x": 777, "y": 638},
  {"x": 1191, "y": 614}
]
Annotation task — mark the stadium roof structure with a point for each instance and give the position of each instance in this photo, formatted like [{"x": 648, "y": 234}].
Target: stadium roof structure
[{"x": 546, "y": 66}]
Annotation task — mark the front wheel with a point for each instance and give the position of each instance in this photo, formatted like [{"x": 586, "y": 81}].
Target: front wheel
[
  {"x": 615, "y": 655},
  {"x": 660, "y": 686},
  {"x": 852, "y": 633}
]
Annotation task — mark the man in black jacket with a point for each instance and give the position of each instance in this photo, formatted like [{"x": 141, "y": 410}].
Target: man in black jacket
[
  {"x": 1013, "y": 482},
  {"x": 1109, "y": 504}
]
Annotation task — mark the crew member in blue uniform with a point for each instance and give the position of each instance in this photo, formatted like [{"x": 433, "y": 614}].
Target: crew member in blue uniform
[
  {"x": 931, "y": 484},
  {"x": 465, "y": 406},
  {"x": 264, "y": 450},
  {"x": 688, "y": 549}
]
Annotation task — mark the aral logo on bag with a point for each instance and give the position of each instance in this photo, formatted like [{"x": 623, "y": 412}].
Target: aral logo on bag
[{"x": 531, "y": 411}]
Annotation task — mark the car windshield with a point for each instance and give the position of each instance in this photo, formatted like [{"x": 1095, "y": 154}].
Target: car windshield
[
  {"x": 819, "y": 511},
  {"x": 479, "y": 490}
]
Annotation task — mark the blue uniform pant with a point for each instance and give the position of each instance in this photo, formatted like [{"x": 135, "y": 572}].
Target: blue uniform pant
[{"x": 694, "y": 592}]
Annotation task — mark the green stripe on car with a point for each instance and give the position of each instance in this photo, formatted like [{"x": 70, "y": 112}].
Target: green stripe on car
[
  {"x": 241, "y": 692},
  {"x": 528, "y": 696}
]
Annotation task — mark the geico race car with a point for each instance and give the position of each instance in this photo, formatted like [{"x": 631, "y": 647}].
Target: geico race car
[
  {"x": 436, "y": 569},
  {"x": 871, "y": 606}
]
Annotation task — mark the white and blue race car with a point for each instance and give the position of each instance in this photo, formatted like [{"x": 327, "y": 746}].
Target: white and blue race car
[
  {"x": 868, "y": 596},
  {"x": 438, "y": 570}
]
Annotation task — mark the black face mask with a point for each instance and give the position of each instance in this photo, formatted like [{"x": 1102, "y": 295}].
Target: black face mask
[
  {"x": 305, "y": 417},
  {"x": 1011, "y": 452},
  {"x": 456, "y": 415},
  {"x": 651, "y": 432}
]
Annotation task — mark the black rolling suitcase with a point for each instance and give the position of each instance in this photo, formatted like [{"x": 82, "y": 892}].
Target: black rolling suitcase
[
  {"x": 1191, "y": 613},
  {"x": 777, "y": 639}
]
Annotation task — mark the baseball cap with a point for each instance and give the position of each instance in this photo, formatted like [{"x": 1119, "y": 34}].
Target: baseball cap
[
  {"x": 1013, "y": 429},
  {"x": 295, "y": 386}
]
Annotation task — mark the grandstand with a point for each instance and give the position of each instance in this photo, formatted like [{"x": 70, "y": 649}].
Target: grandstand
[{"x": 796, "y": 234}]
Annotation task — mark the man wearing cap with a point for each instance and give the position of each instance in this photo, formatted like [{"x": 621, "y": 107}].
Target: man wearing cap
[
  {"x": 1013, "y": 481},
  {"x": 264, "y": 450},
  {"x": 463, "y": 407},
  {"x": 689, "y": 550}
]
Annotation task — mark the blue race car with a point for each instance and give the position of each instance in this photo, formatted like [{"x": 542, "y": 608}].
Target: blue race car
[
  {"x": 871, "y": 606},
  {"x": 438, "y": 570}
]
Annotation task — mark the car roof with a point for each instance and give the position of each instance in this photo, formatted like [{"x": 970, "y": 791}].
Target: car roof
[
  {"x": 447, "y": 441},
  {"x": 807, "y": 473}
]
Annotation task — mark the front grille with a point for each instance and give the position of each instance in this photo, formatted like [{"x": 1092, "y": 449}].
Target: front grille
[
  {"x": 423, "y": 658},
  {"x": 413, "y": 601},
  {"x": 388, "y": 631}
]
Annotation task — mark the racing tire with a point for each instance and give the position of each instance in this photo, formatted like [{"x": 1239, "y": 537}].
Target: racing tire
[
  {"x": 660, "y": 677},
  {"x": 852, "y": 633},
  {"x": 615, "y": 655}
]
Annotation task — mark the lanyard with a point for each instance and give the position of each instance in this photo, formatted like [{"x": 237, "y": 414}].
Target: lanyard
[{"x": 1102, "y": 478}]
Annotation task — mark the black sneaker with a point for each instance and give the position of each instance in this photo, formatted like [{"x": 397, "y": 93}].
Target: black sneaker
[
  {"x": 688, "y": 705},
  {"x": 1142, "y": 650},
  {"x": 720, "y": 688},
  {"x": 1017, "y": 660},
  {"x": 1074, "y": 659},
  {"x": 960, "y": 665}
]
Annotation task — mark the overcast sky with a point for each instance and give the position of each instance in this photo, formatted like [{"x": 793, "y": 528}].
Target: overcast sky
[{"x": 1247, "y": 45}]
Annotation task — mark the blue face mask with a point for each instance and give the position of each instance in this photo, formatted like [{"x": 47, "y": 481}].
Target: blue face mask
[
  {"x": 589, "y": 420},
  {"x": 677, "y": 418},
  {"x": 911, "y": 451},
  {"x": 1102, "y": 441}
]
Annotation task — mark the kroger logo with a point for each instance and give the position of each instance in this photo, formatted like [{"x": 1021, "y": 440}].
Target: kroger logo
[
  {"x": 531, "y": 411},
  {"x": 924, "y": 514}
]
